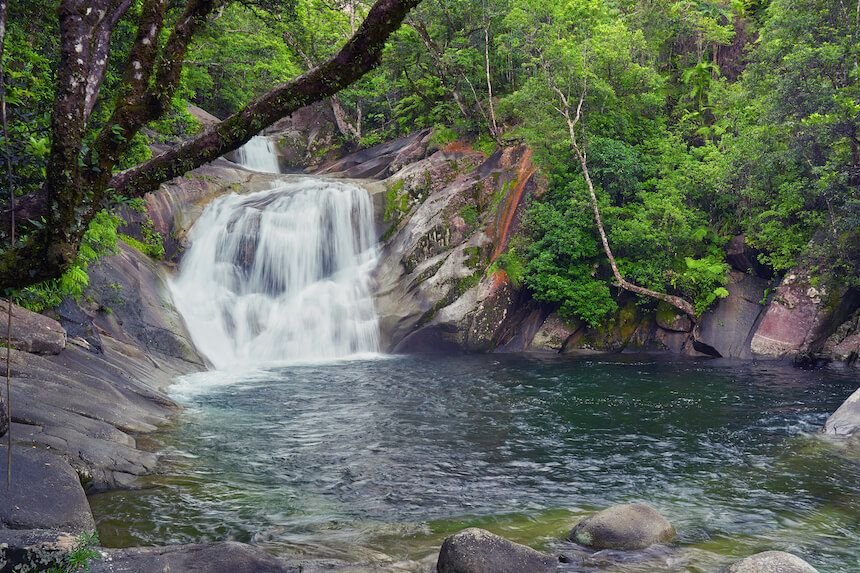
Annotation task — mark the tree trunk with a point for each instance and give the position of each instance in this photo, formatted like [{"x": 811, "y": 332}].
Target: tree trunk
[
  {"x": 494, "y": 127},
  {"x": 676, "y": 301},
  {"x": 71, "y": 198}
]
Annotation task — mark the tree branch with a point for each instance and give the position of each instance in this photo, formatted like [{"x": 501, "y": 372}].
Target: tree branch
[
  {"x": 572, "y": 121},
  {"x": 358, "y": 56}
]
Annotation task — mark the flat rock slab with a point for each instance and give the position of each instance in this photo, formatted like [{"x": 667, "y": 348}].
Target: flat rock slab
[
  {"x": 226, "y": 557},
  {"x": 475, "y": 550},
  {"x": 45, "y": 493},
  {"x": 771, "y": 562},
  {"x": 625, "y": 527},
  {"x": 32, "y": 332}
]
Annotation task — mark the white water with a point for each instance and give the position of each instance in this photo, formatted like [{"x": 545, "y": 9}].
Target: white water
[
  {"x": 281, "y": 275},
  {"x": 259, "y": 154}
]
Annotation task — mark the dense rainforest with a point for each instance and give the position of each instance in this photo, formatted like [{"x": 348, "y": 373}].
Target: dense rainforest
[{"x": 694, "y": 121}]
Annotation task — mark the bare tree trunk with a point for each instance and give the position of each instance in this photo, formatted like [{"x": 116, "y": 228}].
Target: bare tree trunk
[
  {"x": 572, "y": 121},
  {"x": 494, "y": 127},
  {"x": 347, "y": 128}
]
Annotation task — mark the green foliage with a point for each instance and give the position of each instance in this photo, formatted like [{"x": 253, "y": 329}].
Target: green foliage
[
  {"x": 703, "y": 280},
  {"x": 81, "y": 556},
  {"x": 396, "y": 201},
  {"x": 513, "y": 264},
  {"x": 442, "y": 136},
  {"x": 485, "y": 144},
  {"x": 99, "y": 240},
  {"x": 704, "y": 119},
  {"x": 469, "y": 213},
  {"x": 152, "y": 245}
]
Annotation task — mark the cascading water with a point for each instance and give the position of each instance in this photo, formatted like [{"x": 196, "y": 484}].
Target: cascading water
[
  {"x": 281, "y": 275},
  {"x": 259, "y": 154}
]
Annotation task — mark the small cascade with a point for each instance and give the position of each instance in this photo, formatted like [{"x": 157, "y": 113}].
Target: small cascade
[
  {"x": 282, "y": 275},
  {"x": 259, "y": 154}
]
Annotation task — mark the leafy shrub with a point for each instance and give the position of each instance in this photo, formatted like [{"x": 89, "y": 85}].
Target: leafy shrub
[
  {"x": 99, "y": 240},
  {"x": 442, "y": 136},
  {"x": 81, "y": 555}
]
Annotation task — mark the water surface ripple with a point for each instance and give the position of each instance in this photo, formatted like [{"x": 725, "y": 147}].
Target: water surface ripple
[{"x": 351, "y": 458}]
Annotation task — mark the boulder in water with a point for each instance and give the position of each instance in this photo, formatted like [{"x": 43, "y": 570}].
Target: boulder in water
[
  {"x": 626, "y": 527},
  {"x": 845, "y": 421},
  {"x": 475, "y": 550},
  {"x": 771, "y": 562}
]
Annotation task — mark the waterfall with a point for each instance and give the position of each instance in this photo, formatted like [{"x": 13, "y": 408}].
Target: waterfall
[
  {"x": 281, "y": 275},
  {"x": 259, "y": 154}
]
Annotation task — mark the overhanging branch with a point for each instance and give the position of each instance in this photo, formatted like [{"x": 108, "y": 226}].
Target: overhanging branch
[{"x": 358, "y": 56}]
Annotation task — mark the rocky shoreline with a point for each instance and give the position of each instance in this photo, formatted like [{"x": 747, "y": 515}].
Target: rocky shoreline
[{"x": 92, "y": 376}]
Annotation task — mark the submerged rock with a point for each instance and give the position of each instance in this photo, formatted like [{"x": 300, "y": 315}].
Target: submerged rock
[
  {"x": 846, "y": 420},
  {"x": 628, "y": 526},
  {"x": 475, "y": 550},
  {"x": 226, "y": 557},
  {"x": 771, "y": 562},
  {"x": 32, "y": 332}
]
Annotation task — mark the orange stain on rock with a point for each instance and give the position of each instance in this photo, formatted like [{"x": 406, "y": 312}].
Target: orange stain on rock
[{"x": 525, "y": 172}]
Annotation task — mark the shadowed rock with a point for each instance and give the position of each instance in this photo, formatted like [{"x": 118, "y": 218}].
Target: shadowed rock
[
  {"x": 626, "y": 527},
  {"x": 771, "y": 562},
  {"x": 475, "y": 550}
]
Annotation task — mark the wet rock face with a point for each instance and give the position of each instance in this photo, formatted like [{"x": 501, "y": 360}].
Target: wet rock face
[
  {"x": 844, "y": 344},
  {"x": 31, "y": 332},
  {"x": 478, "y": 551},
  {"x": 553, "y": 333},
  {"x": 434, "y": 289},
  {"x": 771, "y": 562},
  {"x": 625, "y": 527},
  {"x": 845, "y": 422},
  {"x": 744, "y": 258}
]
